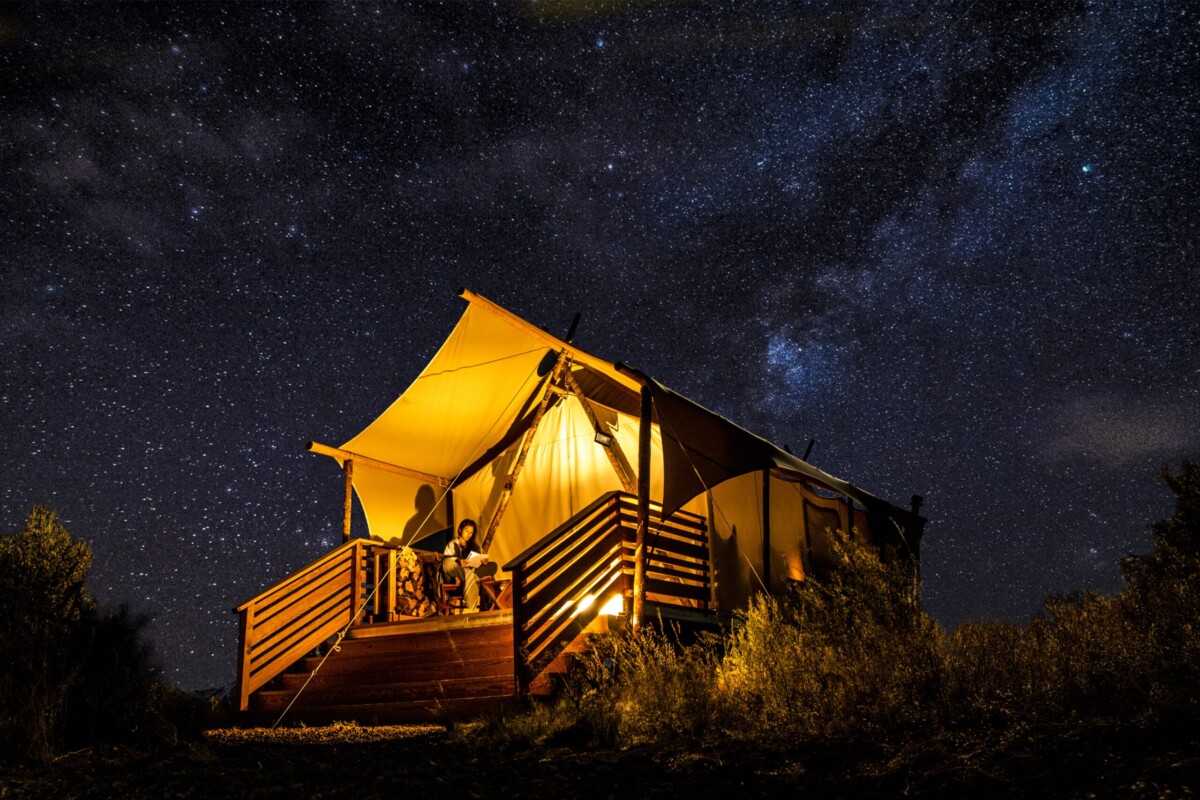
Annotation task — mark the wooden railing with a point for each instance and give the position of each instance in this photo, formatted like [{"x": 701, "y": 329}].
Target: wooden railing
[
  {"x": 677, "y": 555},
  {"x": 561, "y": 582},
  {"x": 295, "y": 615}
]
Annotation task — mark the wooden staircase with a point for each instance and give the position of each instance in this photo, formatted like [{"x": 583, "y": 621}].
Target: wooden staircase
[
  {"x": 438, "y": 668},
  {"x": 412, "y": 671}
]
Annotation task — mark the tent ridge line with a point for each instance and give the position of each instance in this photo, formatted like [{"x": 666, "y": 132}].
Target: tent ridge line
[
  {"x": 367, "y": 461},
  {"x": 525, "y": 326}
]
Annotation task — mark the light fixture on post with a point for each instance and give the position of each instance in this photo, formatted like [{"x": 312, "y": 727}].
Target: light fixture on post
[{"x": 604, "y": 440}]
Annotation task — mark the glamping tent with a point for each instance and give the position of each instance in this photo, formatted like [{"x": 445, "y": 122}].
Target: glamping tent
[{"x": 589, "y": 480}]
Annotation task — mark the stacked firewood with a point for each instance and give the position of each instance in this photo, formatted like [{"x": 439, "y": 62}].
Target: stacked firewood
[{"x": 414, "y": 589}]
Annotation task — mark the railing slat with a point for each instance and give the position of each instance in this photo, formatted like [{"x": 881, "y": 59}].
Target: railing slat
[
  {"x": 553, "y": 562},
  {"x": 678, "y": 548},
  {"x": 549, "y": 592},
  {"x": 288, "y": 657},
  {"x": 557, "y": 533},
  {"x": 676, "y": 590},
  {"x": 588, "y": 554},
  {"x": 292, "y": 617},
  {"x": 568, "y": 593},
  {"x": 336, "y": 583},
  {"x": 316, "y": 606},
  {"x": 553, "y": 628}
]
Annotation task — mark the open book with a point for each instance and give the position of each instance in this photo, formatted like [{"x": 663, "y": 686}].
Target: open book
[{"x": 475, "y": 560}]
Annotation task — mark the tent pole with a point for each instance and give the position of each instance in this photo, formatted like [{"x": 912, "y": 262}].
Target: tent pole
[
  {"x": 627, "y": 482},
  {"x": 348, "y": 468},
  {"x": 510, "y": 481},
  {"x": 643, "y": 512},
  {"x": 766, "y": 528}
]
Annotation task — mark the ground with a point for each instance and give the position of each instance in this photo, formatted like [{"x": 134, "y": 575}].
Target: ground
[{"x": 1095, "y": 759}]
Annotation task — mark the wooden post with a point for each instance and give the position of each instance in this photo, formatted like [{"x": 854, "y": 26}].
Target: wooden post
[
  {"x": 389, "y": 586},
  {"x": 244, "y": 658},
  {"x": 357, "y": 555},
  {"x": 766, "y": 529},
  {"x": 643, "y": 512},
  {"x": 520, "y": 668},
  {"x": 511, "y": 480},
  {"x": 348, "y": 468}
]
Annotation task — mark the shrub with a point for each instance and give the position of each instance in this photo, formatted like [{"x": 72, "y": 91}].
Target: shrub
[
  {"x": 648, "y": 687},
  {"x": 1097, "y": 655},
  {"x": 43, "y": 607},
  {"x": 117, "y": 678},
  {"x": 1162, "y": 598},
  {"x": 74, "y": 675},
  {"x": 850, "y": 650}
]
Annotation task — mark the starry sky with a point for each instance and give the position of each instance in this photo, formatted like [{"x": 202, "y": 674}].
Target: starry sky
[{"x": 953, "y": 242}]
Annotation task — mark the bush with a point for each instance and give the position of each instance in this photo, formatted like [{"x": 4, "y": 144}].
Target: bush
[
  {"x": 645, "y": 688},
  {"x": 1093, "y": 655},
  {"x": 1162, "y": 597},
  {"x": 851, "y": 650},
  {"x": 44, "y": 608},
  {"x": 75, "y": 675},
  {"x": 851, "y": 653}
]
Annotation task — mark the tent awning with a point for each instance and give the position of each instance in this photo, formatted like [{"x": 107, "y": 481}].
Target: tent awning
[{"x": 480, "y": 391}]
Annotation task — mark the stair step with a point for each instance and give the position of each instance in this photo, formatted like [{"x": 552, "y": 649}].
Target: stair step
[
  {"x": 459, "y": 688},
  {"x": 431, "y": 639},
  {"x": 405, "y": 627},
  {"x": 349, "y": 660},
  {"x": 388, "y": 671}
]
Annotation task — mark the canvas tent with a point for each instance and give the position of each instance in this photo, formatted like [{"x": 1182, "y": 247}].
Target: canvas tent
[{"x": 504, "y": 398}]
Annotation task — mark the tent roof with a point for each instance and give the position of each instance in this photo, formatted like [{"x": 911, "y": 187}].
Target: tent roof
[{"x": 481, "y": 390}]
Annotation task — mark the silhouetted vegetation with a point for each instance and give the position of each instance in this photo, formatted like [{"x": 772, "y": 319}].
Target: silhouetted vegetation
[
  {"x": 75, "y": 675},
  {"x": 852, "y": 654},
  {"x": 842, "y": 687}
]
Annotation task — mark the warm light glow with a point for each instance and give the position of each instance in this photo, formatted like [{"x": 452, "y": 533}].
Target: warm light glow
[
  {"x": 583, "y": 605},
  {"x": 614, "y": 606}
]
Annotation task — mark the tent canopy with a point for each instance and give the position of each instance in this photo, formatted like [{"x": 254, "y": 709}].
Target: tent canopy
[{"x": 461, "y": 422}]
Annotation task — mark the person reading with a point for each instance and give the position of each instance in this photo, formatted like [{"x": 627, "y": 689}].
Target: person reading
[{"x": 462, "y": 562}]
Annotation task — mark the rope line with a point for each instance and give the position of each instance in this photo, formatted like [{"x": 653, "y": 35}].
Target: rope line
[
  {"x": 380, "y": 579},
  {"x": 662, "y": 422}
]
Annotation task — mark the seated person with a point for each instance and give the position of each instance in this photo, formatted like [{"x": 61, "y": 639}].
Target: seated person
[{"x": 454, "y": 567}]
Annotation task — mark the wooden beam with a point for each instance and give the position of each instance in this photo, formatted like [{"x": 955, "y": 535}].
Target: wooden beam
[
  {"x": 348, "y": 468},
  {"x": 627, "y": 481},
  {"x": 511, "y": 480},
  {"x": 374, "y": 463},
  {"x": 766, "y": 528},
  {"x": 643, "y": 512}
]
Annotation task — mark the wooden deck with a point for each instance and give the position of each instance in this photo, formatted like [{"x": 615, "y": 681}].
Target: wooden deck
[
  {"x": 425, "y": 670},
  {"x": 390, "y": 668}
]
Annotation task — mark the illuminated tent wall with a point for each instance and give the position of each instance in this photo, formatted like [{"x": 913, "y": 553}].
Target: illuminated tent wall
[{"x": 444, "y": 451}]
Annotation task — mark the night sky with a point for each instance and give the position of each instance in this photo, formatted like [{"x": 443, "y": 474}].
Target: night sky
[{"x": 955, "y": 243}]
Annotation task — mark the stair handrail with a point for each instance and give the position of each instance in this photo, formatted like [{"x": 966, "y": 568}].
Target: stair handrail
[
  {"x": 552, "y": 578},
  {"x": 561, "y": 580},
  {"x": 541, "y": 544},
  {"x": 284, "y": 622}
]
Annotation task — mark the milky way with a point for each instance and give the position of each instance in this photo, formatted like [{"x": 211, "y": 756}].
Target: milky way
[{"x": 954, "y": 243}]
